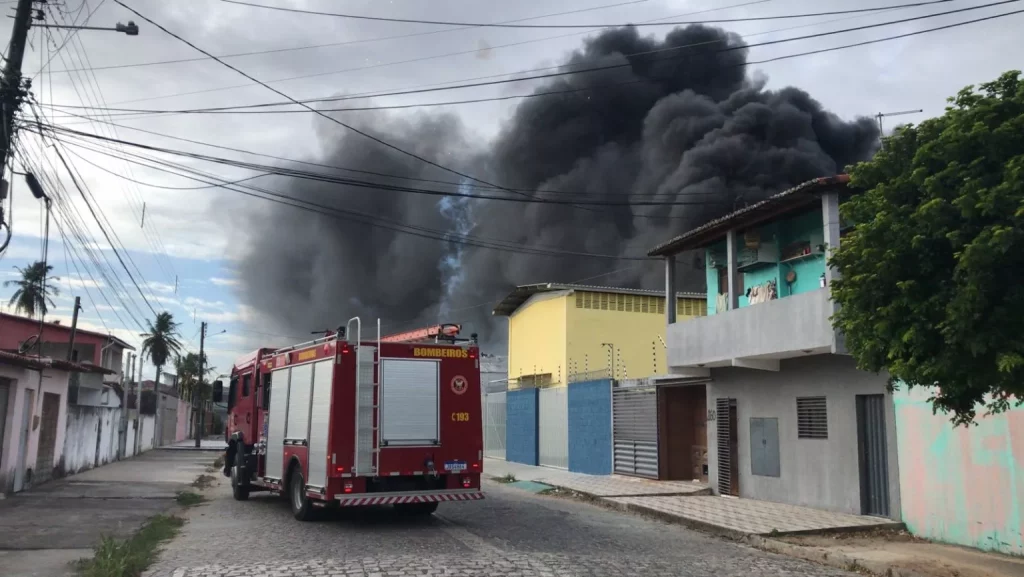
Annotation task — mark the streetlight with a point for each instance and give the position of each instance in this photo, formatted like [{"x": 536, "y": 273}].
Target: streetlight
[{"x": 131, "y": 29}]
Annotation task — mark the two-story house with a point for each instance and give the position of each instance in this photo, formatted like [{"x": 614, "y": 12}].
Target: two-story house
[{"x": 790, "y": 417}]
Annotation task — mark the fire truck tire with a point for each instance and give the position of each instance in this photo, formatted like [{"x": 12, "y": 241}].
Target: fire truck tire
[
  {"x": 239, "y": 479},
  {"x": 302, "y": 507},
  {"x": 416, "y": 509}
]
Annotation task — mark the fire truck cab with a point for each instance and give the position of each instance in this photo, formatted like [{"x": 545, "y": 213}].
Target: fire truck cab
[{"x": 339, "y": 421}]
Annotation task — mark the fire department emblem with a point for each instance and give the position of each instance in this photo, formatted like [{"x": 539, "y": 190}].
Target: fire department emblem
[{"x": 459, "y": 384}]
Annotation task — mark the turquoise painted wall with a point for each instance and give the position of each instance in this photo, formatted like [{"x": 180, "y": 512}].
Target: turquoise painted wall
[
  {"x": 803, "y": 227},
  {"x": 965, "y": 485}
]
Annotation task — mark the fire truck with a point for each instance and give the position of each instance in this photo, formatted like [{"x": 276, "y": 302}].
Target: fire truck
[{"x": 342, "y": 421}]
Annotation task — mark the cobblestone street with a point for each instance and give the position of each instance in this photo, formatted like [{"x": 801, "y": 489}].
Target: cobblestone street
[{"x": 512, "y": 532}]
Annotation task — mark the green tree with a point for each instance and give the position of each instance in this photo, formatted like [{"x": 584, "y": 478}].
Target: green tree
[
  {"x": 161, "y": 342},
  {"x": 932, "y": 275},
  {"x": 187, "y": 368},
  {"x": 33, "y": 295}
]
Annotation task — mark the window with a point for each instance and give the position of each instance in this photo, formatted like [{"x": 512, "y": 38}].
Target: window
[
  {"x": 266, "y": 391},
  {"x": 246, "y": 384},
  {"x": 811, "y": 418},
  {"x": 232, "y": 391}
]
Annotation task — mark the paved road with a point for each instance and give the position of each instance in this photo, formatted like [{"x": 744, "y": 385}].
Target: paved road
[{"x": 512, "y": 532}]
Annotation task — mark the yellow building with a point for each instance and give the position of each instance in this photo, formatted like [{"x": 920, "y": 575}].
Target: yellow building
[{"x": 590, "y": 332}]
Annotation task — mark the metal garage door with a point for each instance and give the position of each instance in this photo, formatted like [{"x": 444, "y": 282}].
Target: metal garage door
[
  {"x": 494, "y": 425},
  {"x": 553, "y": 427},
  {"x": 635, "y": 431}
]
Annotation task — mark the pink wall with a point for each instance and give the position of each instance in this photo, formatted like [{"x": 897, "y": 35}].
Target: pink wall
[
  {"x": 961, "y": 485},
  {"x": 22, "y": 379},
  {"x": 16, "y": 329},
  {"x": 184, "y": 415}
]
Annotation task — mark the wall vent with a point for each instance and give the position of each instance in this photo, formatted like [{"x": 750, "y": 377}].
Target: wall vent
[{"x": 812, "y": 418}]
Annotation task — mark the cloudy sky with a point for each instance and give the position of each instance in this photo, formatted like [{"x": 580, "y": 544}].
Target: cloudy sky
[{"x": 187, "y": 257}]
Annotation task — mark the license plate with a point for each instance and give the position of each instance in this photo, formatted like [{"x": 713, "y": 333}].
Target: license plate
[{"x": 455, "y": 466}]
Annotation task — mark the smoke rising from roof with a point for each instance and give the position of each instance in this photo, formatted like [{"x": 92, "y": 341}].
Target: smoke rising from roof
[{"x": 686, "y": 124}]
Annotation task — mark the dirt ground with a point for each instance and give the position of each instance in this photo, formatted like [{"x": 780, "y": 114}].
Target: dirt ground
[{"x": 908, "y": 552}]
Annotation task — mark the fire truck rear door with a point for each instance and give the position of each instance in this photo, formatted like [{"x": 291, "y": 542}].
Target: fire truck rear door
[{"x": 409, "y": 402}]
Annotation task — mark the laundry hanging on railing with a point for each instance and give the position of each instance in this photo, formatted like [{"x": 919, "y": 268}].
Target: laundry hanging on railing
[{"x": 762, "y": 293}]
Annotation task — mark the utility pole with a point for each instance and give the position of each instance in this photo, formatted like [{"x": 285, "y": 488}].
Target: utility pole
[
  {"x": 74, "y": 329},
  {"x": 197, "y": 397},
  {"x": 11, "y": 89}
]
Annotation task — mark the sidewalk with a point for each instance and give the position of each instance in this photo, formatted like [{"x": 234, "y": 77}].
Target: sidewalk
[
  {"x": 856, "y": 542},
  {"x": 204, "y": 445},
  {"x": 46, "y": 528}
]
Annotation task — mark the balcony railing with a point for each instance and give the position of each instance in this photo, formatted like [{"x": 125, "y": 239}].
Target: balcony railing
[{"x": 763, "y": 333}]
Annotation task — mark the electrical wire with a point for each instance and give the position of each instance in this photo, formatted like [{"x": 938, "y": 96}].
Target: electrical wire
[
  {"x": 307, "y": 175},
  {"x": 506, "y": 25},
  {"x": 362, "y": 41},
  {"x": 561, "y": 72}
]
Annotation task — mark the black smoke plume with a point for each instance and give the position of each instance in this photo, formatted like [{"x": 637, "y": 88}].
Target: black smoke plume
[{"x": 686, "y": 123}]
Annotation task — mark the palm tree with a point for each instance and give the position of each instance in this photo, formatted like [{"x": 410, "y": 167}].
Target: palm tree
[
  {"x": 161, "y": 342},
  {"x": 33, "y": 292},
  {"x": 187, "y": 368}
]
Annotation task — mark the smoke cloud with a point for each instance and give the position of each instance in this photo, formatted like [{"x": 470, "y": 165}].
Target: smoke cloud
[{"x": 686, "y": 124}]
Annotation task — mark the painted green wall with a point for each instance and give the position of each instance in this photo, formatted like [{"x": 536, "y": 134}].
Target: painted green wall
[
  {"x": 961, "y": 485},
  {"x": 803, "y": 227}
]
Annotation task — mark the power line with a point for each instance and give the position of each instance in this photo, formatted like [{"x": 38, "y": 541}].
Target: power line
[
  {"x": 520, "y": 43},
  {"x": 334, "y": 120},
  {"x": 560, "y": 73},
  {"x": 378, "y": 221},
  {"x": 362, "y": 41},
  {"x": 506, "y": 25},
  {"x": 306, "y": 175}
]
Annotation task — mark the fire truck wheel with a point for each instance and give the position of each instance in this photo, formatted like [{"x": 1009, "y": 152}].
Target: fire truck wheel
[
  {"x": 239, "y": 478},
  {"x": 416, "y": 509},
  {"x": 302, "y": 508}
]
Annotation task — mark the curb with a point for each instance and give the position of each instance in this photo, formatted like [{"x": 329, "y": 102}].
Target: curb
[
  {"x": 814, "y": 554},
  {"x": 830, "y": 558}
]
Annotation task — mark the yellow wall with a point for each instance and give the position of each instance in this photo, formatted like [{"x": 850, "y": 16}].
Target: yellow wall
[
  {"x": 561, "y": 334},
  {"x": 536, "y": 337}
]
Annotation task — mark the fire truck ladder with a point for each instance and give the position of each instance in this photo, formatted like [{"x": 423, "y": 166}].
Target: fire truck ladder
[{"x": 367, "y": 445}]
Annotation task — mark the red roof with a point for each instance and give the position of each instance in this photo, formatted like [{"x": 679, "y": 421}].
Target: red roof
[{"x": 34, "y": 362}]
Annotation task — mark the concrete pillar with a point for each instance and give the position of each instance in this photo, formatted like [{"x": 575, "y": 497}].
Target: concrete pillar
[
  {"x": 730, "y": 259},
  {"x": 830, "y": 221},
  {"x": 670, "y": 289}
]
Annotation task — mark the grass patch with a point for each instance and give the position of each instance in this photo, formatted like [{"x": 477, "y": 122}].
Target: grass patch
[
  {"x": 189, "y": 499},
  {"x": 510, "y": 478},
  {"x": 115, "y": 558},
  {"x": 203, "y": 481}
]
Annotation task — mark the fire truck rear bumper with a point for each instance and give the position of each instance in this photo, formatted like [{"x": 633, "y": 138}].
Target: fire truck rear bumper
[{"x": 414, "y": 497}]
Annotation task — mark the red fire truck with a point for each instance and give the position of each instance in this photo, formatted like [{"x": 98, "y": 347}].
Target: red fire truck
[{"x": 339, "y": 421}]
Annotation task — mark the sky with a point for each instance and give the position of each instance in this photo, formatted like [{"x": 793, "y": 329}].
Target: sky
[{"x": 184, "y": 257}]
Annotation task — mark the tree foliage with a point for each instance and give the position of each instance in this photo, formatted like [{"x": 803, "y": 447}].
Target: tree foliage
[
  {"x": 932, "y": 275},
  {"x": 161, "y": 342},
  {"x": 33, "y": 295},
  {"x": 187, "y": 369}
]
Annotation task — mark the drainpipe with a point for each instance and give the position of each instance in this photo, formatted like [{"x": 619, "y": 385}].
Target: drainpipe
[{"x": 670, "y": 289}]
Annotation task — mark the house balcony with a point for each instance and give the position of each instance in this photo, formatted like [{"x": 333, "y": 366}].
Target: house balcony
[{"x": 756, "y": 336}]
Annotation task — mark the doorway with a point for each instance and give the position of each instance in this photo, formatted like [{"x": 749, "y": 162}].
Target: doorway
[
  {"x": 683, "y": 438},
  {"x": 47, "y": 438},
  {"x": 728, "y": 449},
  {"x": 872, "y": 453},
  {"x": 5, "y": 393},
  {"x": 21, "y": 476}
]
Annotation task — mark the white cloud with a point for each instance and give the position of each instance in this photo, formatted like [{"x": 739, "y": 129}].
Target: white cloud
[
  {"x": 71, "y": 283},
  {"x": 160, "y": 286},
  {"x": 224, "y": 281}
]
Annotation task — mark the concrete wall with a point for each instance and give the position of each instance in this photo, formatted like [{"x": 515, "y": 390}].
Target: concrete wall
[
  {"x": 964, "y": 485},
  {"x": 795, "y": 323},
  {"x": 92, "y": 438},
  {"x": 184, "y": 418},
  {"x": 536, "y": 337},
  {"x": 521, "y": 426},
  {"x": 590, "y": 427},
  {"x": 147, "y": 432},
  {"x": 821, "y": 473},
  {"x": 22, "y": 380}
]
